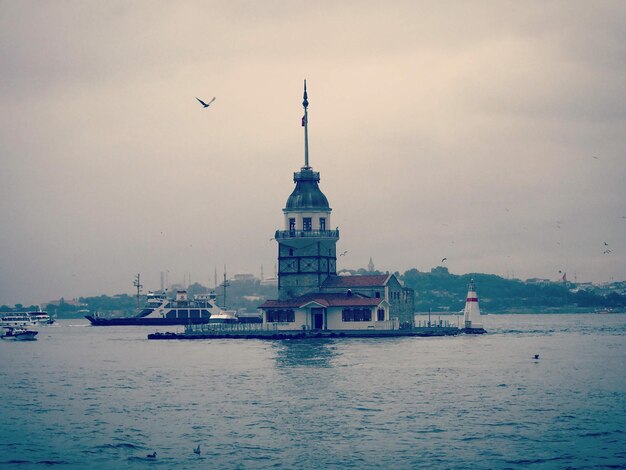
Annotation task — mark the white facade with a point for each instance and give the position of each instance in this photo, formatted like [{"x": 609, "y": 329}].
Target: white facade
[
  {"x": 316, "y": 316},
  {"x": 319, "y": 220}
]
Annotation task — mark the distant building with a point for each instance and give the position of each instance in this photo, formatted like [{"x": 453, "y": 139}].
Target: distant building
[
  {"x": 244, "y": 277},
  {"x": 270, "y": 281},
  {"x": 72, "y": 302},
  {"x": 310, "y": 293}
]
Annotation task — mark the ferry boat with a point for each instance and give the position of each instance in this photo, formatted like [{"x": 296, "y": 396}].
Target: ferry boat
[
  {"x": 160, "y": 310},
  {"x": 41, "y": 318},
  {"x": 16, "y": 320},
  {"x": 22, "y": 319}
]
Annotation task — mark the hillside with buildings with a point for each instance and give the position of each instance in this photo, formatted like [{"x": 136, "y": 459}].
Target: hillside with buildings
[{"x": 437, "y": 289}]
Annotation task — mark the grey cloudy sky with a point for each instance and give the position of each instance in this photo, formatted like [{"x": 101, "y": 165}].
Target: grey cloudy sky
[{"x": 465, "y": 130}]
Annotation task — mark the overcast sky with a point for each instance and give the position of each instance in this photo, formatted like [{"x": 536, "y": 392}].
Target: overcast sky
[{"x": 489, "y": 133}]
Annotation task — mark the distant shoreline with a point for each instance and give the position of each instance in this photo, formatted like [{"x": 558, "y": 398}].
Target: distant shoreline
[{"x": 546, "y": 311}]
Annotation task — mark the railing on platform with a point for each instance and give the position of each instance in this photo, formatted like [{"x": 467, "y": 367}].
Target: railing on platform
[
  {"x": 434, "y": 324},
  {"x": 221, "y": 328},
  {"x": 306, "y": 233},
  {"x": 224, "y": 328}
]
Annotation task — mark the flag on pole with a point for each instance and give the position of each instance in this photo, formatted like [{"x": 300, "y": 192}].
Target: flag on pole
[{"x": 303, "y": 120}]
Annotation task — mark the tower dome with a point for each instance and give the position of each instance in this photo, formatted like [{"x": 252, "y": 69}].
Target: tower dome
[{"x": 307, "y": 195}]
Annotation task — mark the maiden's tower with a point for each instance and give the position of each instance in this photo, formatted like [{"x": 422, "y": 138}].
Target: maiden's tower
[
  {"x": 307, "y": 248},
  {"x": 310, "y": 293}
]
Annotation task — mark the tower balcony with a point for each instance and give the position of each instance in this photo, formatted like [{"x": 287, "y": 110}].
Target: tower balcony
[
  {"x": 306, "y": 174},
  {"x": 282, "y": 234}
]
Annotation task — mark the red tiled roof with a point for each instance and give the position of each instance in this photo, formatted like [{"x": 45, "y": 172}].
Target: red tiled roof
[
  {"x": 327, "y": 299},
  {"x": 373, "y": 280}
]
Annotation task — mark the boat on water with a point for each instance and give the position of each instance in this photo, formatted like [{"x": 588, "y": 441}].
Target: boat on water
[
  {"x": 161, "y": 310},
  {"x": 24, "y": 319},
  {"x": 41, "y": 318},
  {"x": 225, "y": 316},
  {"x": 19, "y": 334},
  {"x": 16, "y": 320}
]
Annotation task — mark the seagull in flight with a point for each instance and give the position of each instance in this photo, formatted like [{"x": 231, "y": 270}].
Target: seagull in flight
[
  {"x": 443, "y": 259},
  {"x": 205, "y": 105},
  {"x": 343, "y": 254}
]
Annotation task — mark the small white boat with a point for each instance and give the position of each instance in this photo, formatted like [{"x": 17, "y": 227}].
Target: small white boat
[
  {"x": 224, "y": 316},
  {"x": 20, "y": 334}
]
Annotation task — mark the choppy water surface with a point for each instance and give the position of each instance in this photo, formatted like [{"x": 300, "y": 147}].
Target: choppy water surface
[{"x": 105, "y": 397}]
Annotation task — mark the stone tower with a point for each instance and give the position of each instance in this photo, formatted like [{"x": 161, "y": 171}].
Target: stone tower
[{"x": 307, "y": 247}]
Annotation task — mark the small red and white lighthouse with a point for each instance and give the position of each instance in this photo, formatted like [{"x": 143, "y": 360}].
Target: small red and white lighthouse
[{"x": 472, "y": 310}]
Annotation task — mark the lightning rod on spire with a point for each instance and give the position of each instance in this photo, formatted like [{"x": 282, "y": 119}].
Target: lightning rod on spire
[{"x": 305, "y": 123}]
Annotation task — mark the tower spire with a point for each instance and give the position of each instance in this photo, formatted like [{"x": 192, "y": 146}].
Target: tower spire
[{"x": 305, "y": 123}]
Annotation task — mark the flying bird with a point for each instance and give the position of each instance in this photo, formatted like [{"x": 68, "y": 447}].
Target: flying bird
[
  {"x": 606, "y": 244},
  {"x": 606, "y": 252},
  {"x": 343, "y": 254},
  {"x": 205, "y": 105},
  {"x": 197, "y": 450},
  {"x": 536, "y": 356},
  {"x": 443, "y": 259}
]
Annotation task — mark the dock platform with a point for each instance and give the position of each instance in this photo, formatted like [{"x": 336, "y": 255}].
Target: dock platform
[{"x": 206, "y": 332}]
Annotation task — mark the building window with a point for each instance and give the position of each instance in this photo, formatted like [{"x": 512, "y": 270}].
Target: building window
[
  {"x": 381, "y": 314},
  {"x": 322, "y": 223},
  {"x": 307, "y": 225},
  {"x": 290, "y": 251},
  {"x": 377, "y": 295},
  {"x": 356, "y": 314},
  {"x": 292, "y": 224},
  {"x": 280, "y": 316}
]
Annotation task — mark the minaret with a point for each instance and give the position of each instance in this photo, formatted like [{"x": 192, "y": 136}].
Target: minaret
[
  {"x": 307, "y": 248},
  {"x": 472, "y": 311}
]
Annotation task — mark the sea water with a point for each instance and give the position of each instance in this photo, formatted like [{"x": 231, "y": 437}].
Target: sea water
[{"x": 106, "y": 397}]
